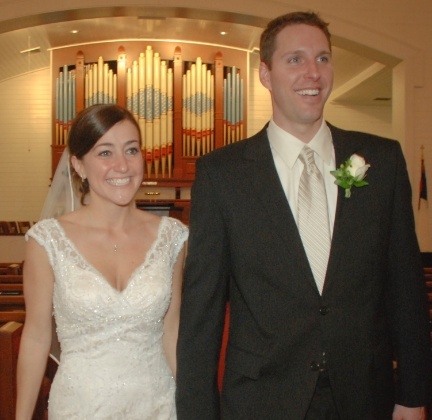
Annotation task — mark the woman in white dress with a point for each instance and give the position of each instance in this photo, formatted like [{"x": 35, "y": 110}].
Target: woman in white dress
[{"x": 112, "y": 275}]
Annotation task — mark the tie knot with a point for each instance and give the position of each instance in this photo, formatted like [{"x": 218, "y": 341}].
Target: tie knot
[{"x": 307, "y": 158}]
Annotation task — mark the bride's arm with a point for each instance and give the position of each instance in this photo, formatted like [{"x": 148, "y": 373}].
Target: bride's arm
[
  {"x": 36, "y": 337},
  {"x": 172, "y": 317}
]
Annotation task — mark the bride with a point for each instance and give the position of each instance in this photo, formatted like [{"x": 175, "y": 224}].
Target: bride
[{"x": 112, "y": 275}]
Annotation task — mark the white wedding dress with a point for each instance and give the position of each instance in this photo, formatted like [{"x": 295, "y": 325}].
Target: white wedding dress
[{"x": 112, "y": 362}]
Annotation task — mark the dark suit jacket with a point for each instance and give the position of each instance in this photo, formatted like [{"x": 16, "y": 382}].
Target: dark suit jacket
[{"x": 244, "y": 243}]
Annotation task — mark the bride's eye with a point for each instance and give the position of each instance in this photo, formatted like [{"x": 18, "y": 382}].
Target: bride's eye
[
  {"x": 105, "y": 153},
  {"x": 132, "y": 151}
]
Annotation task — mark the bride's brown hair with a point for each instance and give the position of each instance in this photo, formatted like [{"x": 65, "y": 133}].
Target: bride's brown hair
[{"x": 87, "y": 128}]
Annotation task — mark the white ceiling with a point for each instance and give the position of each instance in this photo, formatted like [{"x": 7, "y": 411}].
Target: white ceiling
[{"x": 358, "y": 79}]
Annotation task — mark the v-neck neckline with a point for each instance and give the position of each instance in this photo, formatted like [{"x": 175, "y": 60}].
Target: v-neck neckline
[{"x": 98, "y": 272}]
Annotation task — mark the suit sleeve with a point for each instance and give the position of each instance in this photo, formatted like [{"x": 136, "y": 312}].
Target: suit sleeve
[
  {"x": 203, "y": 303},
  {"x": 407, "y": 302}
]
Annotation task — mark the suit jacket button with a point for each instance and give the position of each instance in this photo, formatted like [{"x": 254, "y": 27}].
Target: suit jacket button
[
  {"x": 324, "y": 310},
  {"x": 314, "y": 366}
]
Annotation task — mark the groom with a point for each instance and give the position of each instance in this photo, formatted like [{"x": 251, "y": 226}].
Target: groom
[{"x": 300, "y": 349}]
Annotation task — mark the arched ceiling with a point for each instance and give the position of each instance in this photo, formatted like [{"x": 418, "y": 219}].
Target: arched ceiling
[{"x": 362, "y": 75}]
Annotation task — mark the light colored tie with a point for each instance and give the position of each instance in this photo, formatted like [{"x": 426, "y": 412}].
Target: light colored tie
[{"x": 313, "y": 220}]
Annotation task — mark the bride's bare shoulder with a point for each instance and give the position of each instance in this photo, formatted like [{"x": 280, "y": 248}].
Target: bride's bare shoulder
[
  {"x": 74, "y": 217},
  {"x": 149, "y": 220}
]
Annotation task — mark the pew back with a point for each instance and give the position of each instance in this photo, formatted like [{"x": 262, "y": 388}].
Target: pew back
[
  {"x": 12, "y": 306},
  {"x": 10, "y": 336}
]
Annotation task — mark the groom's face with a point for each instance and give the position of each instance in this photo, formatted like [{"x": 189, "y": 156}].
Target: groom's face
[{"x": 301, "y": 75}]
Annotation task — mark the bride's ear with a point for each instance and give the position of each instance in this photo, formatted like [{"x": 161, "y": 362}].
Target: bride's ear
[{"x": 78, "y": 167}]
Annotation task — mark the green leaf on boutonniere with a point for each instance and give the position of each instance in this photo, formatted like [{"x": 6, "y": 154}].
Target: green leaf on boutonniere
[{"x": 351, "y": 173}]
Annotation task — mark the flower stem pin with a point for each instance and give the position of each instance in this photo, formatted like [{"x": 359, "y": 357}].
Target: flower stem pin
[{"x": 351, "y": 174}]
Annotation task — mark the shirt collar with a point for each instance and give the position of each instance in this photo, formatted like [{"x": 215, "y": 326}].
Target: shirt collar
[{"x": 289, "y": 146}]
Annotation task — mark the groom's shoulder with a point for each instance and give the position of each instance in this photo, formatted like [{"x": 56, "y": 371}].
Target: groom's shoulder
[{"x": 366, "y": 139}]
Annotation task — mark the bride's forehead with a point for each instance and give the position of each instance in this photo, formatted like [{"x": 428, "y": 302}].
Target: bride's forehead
[{"x": 121, "y": 132}]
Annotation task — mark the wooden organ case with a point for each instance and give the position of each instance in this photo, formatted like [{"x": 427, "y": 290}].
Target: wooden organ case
[{"x": 189, "y": 99}]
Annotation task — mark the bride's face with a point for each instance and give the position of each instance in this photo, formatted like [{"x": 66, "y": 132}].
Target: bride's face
[{"x": 114, "y": 166}]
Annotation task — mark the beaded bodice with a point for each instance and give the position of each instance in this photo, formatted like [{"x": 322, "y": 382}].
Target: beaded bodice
[{"x": 111, "y": 340}]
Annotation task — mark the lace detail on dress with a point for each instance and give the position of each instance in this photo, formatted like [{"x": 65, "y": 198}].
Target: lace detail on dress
[{"x": 112, "y": 362}]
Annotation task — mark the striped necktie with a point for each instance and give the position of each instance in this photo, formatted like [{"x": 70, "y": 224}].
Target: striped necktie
[{"x": 313, "y": 220}]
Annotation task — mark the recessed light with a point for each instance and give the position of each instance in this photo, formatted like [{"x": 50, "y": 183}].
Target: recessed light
[
  {"x": 224, "y": 33},
  {"x": 74, "y": 31}
]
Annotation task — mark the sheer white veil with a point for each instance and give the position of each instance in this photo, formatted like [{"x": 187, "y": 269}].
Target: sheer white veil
[{"x": 62, "y": 197}]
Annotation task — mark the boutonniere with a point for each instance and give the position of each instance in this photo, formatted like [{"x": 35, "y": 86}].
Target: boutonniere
[{"x": 351, "y": 174}]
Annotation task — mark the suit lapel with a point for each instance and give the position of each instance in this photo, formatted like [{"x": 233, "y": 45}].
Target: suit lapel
[
  {"x": 263, "y": 176},
  {"x": 261, "y": 172},
  {"x": 346, "y": 208}
]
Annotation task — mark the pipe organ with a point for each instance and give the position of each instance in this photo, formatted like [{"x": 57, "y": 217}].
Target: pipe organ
[{"x": 187, "y": 103}]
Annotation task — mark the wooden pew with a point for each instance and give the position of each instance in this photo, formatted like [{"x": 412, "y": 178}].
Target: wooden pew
[
  {"x": 11, "y": 288},
  {"x": 11, "y": 300},
  {"x": 11, "y": 267},
  {"x": 12, "y": 307},
  {"x": 11, "y": 278},
  {"x": 9, "y": 315},
  {"x": 10, "y": 336}
]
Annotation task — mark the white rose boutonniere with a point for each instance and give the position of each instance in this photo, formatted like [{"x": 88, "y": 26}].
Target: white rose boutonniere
[{"x": 351, "y": 174}]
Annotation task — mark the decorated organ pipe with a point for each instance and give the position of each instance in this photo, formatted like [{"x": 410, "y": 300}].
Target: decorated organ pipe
[
  {"x": 187, "y": 112},
  {"x": 141, "y": 96},
  {"x": 184, "y": 113},
  {"x": 163, "y": 116},
  {"x": 193, "y": 110},
  {"x": 184, "y": 109},
  {"x": 149, "y": 109},
  {"x": 129, "y": 89},
  {"x": 233, "y": 106},
  {"x": 149, "y": 96},
  {"x": 94, "y": 93},
  {"x": 100, "y": 83},
  {"x": 197, "y": 109},
  {"x": 100, "y": 86},
  {"x": 65, "y": 104},
  {"x": 135, "y": 97},
  {"x": 211, "y": 109},
  {"x": 170, "y": 118},
  {"x": 156, "y": 116}
]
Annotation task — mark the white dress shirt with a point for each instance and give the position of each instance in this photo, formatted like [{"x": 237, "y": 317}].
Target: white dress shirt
[{"x": 286, "y": 149}]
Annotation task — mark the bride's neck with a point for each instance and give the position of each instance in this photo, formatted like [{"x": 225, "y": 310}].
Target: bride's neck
[{"x": 109, "y": 218}]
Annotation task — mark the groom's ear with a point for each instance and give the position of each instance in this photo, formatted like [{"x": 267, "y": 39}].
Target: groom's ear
[{"x": 264, "y": 75}]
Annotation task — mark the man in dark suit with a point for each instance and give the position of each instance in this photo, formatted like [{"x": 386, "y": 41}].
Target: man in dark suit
[{"x": 299, "y": 350}]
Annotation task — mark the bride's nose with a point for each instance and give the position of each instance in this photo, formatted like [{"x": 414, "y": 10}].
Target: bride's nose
[{"x": 121, "y": 164}]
